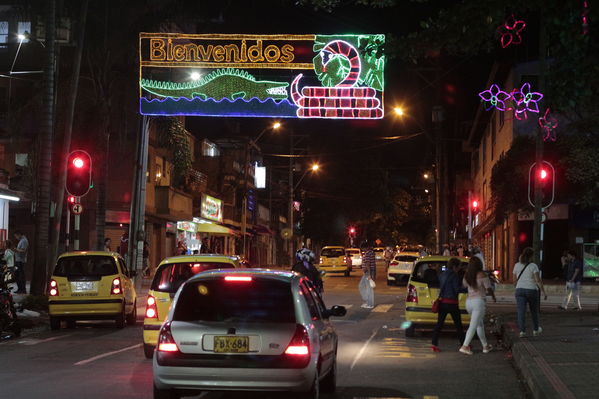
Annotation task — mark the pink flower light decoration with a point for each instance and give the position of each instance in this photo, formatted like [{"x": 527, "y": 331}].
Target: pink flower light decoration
[
  {"x": 549, "y": 124},
  {"x": 526, "y": 100},
  {"x": 495, "y": 97},
  {"x": 509, "y": 32}
]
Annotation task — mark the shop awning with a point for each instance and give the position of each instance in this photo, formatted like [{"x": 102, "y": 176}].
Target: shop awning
[{"x": 213, "y": 228}]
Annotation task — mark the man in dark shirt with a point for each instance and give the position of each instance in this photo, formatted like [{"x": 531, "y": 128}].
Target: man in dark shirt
[
  {"x": 448, "y": 301},
  {"x": 573, "y": 280}
]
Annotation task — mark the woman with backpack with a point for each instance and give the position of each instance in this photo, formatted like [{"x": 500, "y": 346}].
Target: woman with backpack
[{"x": 528, "y": 284}]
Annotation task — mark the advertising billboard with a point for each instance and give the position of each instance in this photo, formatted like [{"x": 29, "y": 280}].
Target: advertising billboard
[
  {"x": 212, "y": 208},
  {"x": 281, "y": 76}
]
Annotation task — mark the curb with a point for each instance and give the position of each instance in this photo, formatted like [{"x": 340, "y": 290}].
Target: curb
[{"x": 540, "y": 378}]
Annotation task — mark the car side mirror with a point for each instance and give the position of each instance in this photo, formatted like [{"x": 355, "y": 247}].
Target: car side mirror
[{"x": 337, "y": 311}]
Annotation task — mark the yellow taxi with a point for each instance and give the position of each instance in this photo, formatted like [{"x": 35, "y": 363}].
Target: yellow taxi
[
  {"x": 90, "y": 285},
  {"x": 333, "y": 259},
  {"x": 170, "y": 274},
  {"x": 423, "y": 289}
]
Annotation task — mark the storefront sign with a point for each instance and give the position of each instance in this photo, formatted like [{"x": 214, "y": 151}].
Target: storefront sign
[
  {"x": 187, "y": 226},
  {"x": 212, "y": 208},
  {"x": 259, "y": 75},
  {"x": 260, "y": 176}
]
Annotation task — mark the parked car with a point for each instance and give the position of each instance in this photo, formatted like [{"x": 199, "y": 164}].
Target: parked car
[
  {"x": 247, "y": 330},
  {"x": 423, "y": 289},
  {"x": 334, "y": 260},
  {"x": 90, "y": 285},
  {"x": 400, "y": 267},
  {"x": 170, "y": 274}
]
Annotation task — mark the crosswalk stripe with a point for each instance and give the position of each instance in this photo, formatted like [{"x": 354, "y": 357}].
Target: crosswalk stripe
[{"x": 383, "y": 308}]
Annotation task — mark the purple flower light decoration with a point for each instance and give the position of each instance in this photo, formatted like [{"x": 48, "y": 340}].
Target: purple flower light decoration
[
  {"x": 549, "y": 124},
  {"x": 526, "y": 100},
  {"x": 495, "y": 97}
]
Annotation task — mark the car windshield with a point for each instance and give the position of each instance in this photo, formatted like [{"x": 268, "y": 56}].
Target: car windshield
[
  {"x": 332, "y": 252},
  {"x": 428, "y": 272},
  {"x": 216, "y": 300},
  {"x": 169, "y": 277},
  {"x": 405, "y": 258},
  {"x": 85, "y": 266}
]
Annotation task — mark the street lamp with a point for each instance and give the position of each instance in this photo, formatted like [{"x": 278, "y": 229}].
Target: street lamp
[
  {"x": 250, "y": 143},
  {"x": 399, "y": 111},
  {"x": 195, "y": 75},
  {"x": 313, "y": 168},
  {"x": 426, "y": 176}
]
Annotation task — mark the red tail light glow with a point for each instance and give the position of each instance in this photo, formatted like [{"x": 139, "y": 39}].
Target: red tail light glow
[
  {"x": 412, "y": 294},
  {"x": 166, "y": 342},
  {"x": 151, "y": 310},
  {"x": 53, "y": 291},
  {"x": 238, "y": 278},
  {"x": 300, "y": 344},
  {"x": 116, "y": 286}
]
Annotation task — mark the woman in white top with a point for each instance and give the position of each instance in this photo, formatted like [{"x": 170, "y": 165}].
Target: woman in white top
[
  {"x": 528, "y": 283},
  {"x": 479, "y": 286}
]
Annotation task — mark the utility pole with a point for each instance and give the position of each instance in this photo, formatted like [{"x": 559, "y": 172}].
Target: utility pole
[
  {"x": 290, "y": 210},
  {"x": 537, "y": 242},
  {"x": 44, "y": 175},
  {"x": 440, "y": 183},
  {"x": 244, "y": 205},
  {"x": 138, "y": 202}
]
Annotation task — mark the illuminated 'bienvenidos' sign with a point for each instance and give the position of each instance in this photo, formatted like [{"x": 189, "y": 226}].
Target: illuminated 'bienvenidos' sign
[{"x": 259, "y": 75}]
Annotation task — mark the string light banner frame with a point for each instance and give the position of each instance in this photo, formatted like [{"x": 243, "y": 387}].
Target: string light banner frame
[{"x": 283, "y": 76}]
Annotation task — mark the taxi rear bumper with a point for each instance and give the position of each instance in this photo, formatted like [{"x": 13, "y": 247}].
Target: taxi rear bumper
[{"x": 87, "y": 307}]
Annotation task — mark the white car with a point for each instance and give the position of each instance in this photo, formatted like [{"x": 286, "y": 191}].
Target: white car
[
  {"x": 400, "y": 267},
  {"x": 356, "y": 256},
  {"x": 247, "y": 330}
]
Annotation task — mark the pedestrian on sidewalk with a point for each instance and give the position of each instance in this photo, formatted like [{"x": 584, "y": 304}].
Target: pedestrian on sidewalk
[
  {"x": 20, "y": 261},
  {"x": 367, "y": 284},
  {"x": 450, "y": 288},
  {"x": 476, "y": 252},
  {"x": 479, "y": 286},
  {"x": 528, "y": 287},
  {"x": 565, "y": 261},
  {"x": 107, "y": 242},
  {"x": 9, "y": 259},
  {"x": 305, "y": 265},
  {"x": 573, "y": 280}
]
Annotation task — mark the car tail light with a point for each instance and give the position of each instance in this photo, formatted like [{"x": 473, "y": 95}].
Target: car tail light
[
  {"x": 53, "y": 290},
  {"x": 116, "y": 286},
  {"x": 166, "y": 342},
  {"x": 151, "y": 309},
  {"x": 246, "y": 279},
  {"x": 299, "y": 347},
  {"x": 412, "y": 294}
]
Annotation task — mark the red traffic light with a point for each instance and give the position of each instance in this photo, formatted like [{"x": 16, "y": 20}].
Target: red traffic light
[
  {"x": 541, "y": 177},
  {"x": 78, "y": 162},
  {"x": 71, "y": 199},
  {"x": 352, "y": 230},
  {"x": 79, "y": 173},
  {"x": 474, "y": 204},
  {"x": 543, "y": 174}
]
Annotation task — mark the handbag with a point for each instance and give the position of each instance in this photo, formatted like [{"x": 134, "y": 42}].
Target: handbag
[
  {"x": 372, "y": 283},
  {"x": 435, "y": 305}
]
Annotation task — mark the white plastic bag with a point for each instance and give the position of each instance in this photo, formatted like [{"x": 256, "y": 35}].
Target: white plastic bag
[{"x": 372, "y": 283}]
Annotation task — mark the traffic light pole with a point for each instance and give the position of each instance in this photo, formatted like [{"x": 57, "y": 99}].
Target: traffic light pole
[
  {"x": 76, "y": 226},
  {"x": 469, "y": 217},
  {"x": 68, "y": 230}
]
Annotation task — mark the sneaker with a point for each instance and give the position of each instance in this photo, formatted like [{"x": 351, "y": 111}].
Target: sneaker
[
  {"x": 487, "y": 348},
  {"x": 364, "y": 305},
  {"x": 560, "y": 307},
  {"x": 537, "y": 332},
  {"x": 369, "y": 307},
  {"x": 522, "y": 334},
  {"x": 578, "y": 309},
  {"x": 466, "y": 350},
  {"x": 435, "y": 348}
]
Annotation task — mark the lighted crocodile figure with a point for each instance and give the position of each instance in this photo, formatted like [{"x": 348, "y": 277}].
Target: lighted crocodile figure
[{"x": 223, "y": 83}]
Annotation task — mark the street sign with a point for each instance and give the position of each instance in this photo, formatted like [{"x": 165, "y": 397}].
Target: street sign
[{"x": 77, "y": 209}]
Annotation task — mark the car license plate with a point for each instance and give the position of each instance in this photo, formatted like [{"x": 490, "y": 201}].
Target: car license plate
[
  {"x": 231, "y": 344},
  {"x": 84, "y": 285}
]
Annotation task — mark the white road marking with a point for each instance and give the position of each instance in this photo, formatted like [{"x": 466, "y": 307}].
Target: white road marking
[
  {"x": 33, "y": 341},
  {"x": 91, "y": 359},
  {"x": 383, "y": 308},
  {"x": 359, "y": 355}
]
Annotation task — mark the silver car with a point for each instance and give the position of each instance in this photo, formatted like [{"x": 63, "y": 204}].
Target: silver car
[{"x": 246, "y": 330}]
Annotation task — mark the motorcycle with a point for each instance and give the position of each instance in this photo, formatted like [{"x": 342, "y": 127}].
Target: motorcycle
[{"x": 8, "y": 312}]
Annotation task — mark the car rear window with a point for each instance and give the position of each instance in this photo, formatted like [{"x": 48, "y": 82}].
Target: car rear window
[
  {"x": 169, "y": 277},
  {"x": 428, "y": 272},
  {"x": 332, "y": 252},
  {"x": 353, "y": 252},
  {"x": 405, "y": 258},
  {"x": 217, "y": 300},
  {"x": 85, "y": 266}
]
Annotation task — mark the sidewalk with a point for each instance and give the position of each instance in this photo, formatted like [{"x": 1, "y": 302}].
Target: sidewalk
[{"x": 563, "y": 362}]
